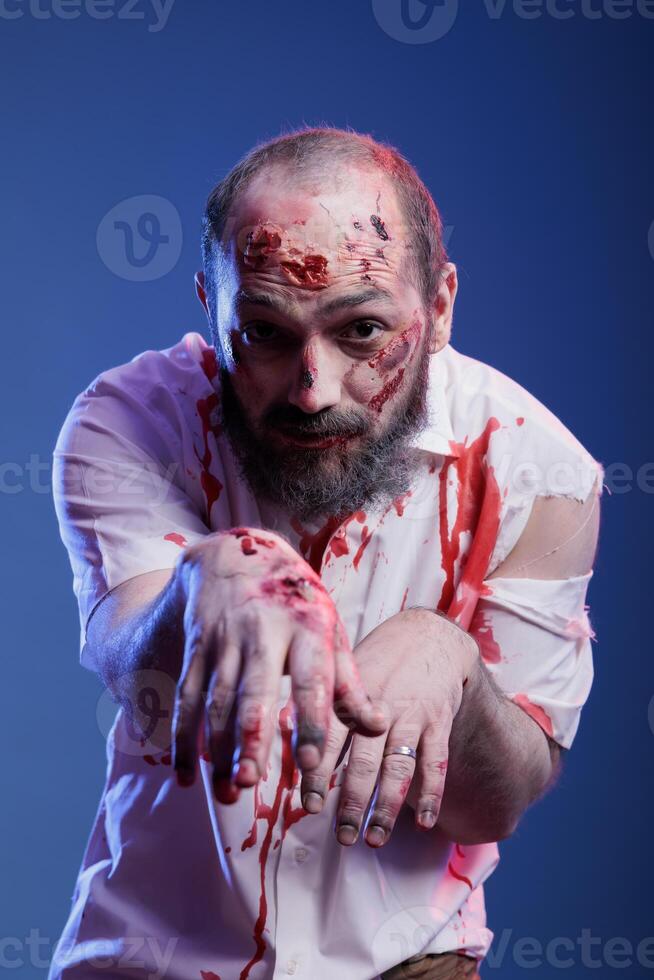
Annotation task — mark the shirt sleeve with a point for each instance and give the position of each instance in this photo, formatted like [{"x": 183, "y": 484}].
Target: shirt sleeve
[
  {"x": 118, "y": 493},
  {"x": 535, "y": 639}
]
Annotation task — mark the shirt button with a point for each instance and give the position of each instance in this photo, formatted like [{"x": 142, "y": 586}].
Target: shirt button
[
  {"x": 291, "y": 966},
  {"x": 301, "y": 854}
]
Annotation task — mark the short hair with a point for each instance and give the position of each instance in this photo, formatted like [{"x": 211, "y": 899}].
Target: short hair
[{"x": 312, "y": 150}]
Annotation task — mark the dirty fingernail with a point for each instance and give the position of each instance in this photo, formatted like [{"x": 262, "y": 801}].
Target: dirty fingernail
[
  {"x": 312, "y": 802},
  {"x": 375, "y": 836}
]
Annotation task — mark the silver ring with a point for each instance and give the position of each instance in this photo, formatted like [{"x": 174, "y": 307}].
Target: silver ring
[{"x": 401, "y": 750}]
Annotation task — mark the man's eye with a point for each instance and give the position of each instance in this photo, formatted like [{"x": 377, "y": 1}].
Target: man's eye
[
  {"x": 258, "y": 332},
  {"x": 363, "y": 330}
]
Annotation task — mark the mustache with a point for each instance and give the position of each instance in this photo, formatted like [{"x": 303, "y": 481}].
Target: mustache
[{"x": 320, "y": 425}]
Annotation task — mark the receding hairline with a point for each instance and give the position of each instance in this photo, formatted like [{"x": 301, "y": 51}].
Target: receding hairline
[{"x": 310, "y": 154}]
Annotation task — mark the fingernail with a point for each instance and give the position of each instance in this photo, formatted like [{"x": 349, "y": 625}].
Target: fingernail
[
  {"x": 312, "y": 802},
  {"x": 308, "y": 757},
  {"x": 346, "y": 834},
  {"x": 427, "y": 818},
  {"x": 246, "y": 770},
  {"x": 225, "y": 791},
  {"x": 185, "y": 777},
  {"x": 375, "y": 836}
]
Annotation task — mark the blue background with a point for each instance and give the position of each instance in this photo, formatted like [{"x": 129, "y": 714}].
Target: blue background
[{"x": 535, "y": 137}]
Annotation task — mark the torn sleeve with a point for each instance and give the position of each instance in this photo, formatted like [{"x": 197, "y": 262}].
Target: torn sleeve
[{"x": 535, "y": 639}]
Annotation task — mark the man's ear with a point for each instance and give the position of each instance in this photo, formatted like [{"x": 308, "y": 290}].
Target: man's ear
[
  {"x": 201, "y": 291},
  {"x": 444, "y": 308}
]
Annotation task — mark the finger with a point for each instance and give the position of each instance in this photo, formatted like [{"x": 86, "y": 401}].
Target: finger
[
  {"x": 221, "y": 705},
  {"x": 257, "y": 696},
  {"x": 432, "y": 770},
  {"x": 395, "y": 777},
  {"x": 352, "y": 704},
  {"x": 188, "y": 706},
  {"x": 358, "y": 786},
  {"x": 312, "y": 683},
  {"x": 317, "y": 782}
]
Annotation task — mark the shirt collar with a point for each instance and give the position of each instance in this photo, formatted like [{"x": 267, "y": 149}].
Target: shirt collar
[{"x": 437, "y": 435}]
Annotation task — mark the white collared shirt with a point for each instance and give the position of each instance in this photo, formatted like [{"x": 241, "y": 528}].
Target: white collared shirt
[{"x": 177, "y": 883}]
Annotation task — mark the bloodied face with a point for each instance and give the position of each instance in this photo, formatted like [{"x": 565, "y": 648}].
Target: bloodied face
[{"x": 324, "y": 341}]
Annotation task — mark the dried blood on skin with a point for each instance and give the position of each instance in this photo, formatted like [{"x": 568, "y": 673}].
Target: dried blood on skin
[
  {"x": 311, "y": 271},
  {"x": 390, "y": 388},
  {"x": 261, "y": 243},
  {"x": 396, "y": 351},
  {"x": 176, "y": 539},
  {"x": 379, "y": 227},
  {"x": 210, "y": 484}
]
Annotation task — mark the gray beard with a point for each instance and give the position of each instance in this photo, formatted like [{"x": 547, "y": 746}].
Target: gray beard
[{"x": 315, "y": 483}]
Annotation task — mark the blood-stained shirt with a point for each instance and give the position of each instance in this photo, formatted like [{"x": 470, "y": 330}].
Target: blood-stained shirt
[{"x": 171, "y": 880}]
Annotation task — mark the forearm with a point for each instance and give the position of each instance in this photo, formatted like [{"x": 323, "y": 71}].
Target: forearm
[
  {"x": 138, "y": 637},
  {"x": 499, "y": 762}
]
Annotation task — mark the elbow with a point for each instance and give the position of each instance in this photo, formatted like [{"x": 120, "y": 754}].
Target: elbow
[{"x": 479, "y": 828}]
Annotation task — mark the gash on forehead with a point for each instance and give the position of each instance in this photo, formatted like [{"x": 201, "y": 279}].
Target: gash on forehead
[{"x": 309, "y": 234}]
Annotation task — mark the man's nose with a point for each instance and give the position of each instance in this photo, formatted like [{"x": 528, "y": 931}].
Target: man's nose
[{"x": 316, "y": 381}]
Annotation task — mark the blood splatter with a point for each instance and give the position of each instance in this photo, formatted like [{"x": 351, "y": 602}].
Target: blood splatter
[
  {"x": 365, "y": 541},
  {"x": 536, "y": 712},
  {"x": 482, "y": 630},
  {"x": 477, "y": 513},
  {"x": 176, "y": 539},
  {"x": 520, "y": 420},
  {"x": 404, "y": 597},
  {"x": 458, "y": 876},
  {"x": 210, "y": 484},
  {"x": 209, "y": 975},
  {"x": 209, "y": 363},
  {"x": 287, "y": 780},
  {"x": 246, "y": 547}
]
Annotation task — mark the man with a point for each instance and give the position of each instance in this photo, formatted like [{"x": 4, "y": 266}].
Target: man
[{"x": 334, "y": 573}]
